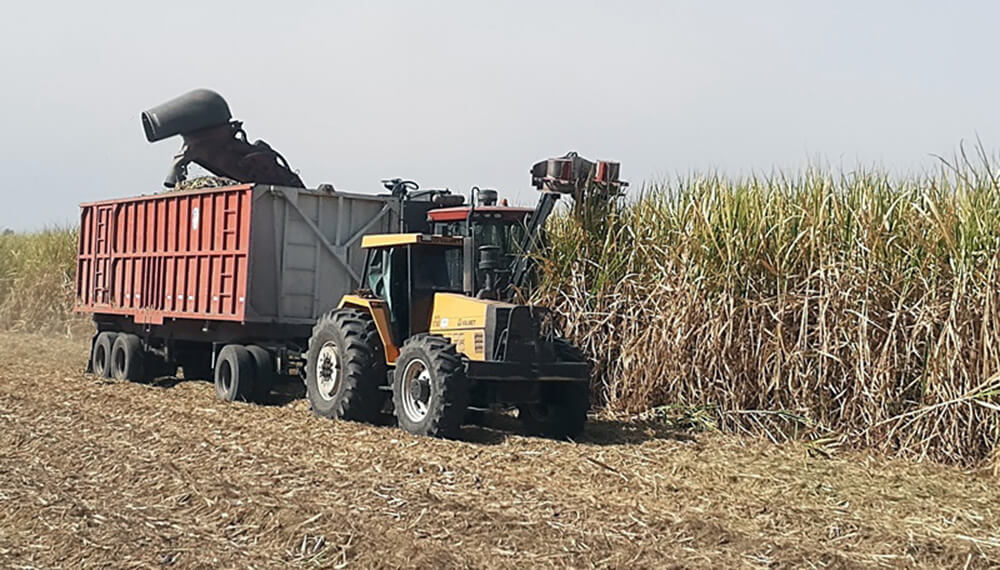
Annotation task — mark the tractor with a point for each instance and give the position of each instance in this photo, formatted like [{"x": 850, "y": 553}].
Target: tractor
[{"x": 422, "y": 333}]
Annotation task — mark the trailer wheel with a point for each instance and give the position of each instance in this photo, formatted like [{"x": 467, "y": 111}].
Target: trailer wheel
[
  {"x": 562, "y": 412},
  {"x": 235, "y": 374},
  {"x": 345, "y": 367},
  {"x": 100, "y": 358},
  {"x": 127, "y": 358},
  {"x": 430, "y": 392},
  {"x": 263, "y": 372}
]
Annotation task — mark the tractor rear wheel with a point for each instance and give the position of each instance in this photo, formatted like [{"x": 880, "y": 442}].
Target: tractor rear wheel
[
  {"x": 430, "y": 392},
  {"x": 562, "y": 411},
  {"x": 345, "y": 367},
  {"x": 100, "y": 359},
  {"x": 128, "y": 358}
]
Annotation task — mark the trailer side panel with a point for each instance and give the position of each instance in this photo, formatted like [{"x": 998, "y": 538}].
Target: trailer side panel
[
  {"x": 174, "y": 255},
  {"x": 256, "y": 254},
  {"x": 306, "y": 250}
]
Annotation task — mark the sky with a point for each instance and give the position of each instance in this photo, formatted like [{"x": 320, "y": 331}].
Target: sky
[{"x": 461, "y": 93}]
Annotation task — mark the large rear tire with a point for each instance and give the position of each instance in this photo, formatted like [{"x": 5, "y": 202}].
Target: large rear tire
[
  {"x": 128, "y": 359},
  {"x": 263, "y": 372},
  {"x": 100, "y": 358},
  {"x": 345, "y": 367},
  {"x": 430, "y": 392},
  {"x": 235, "y": 374},
  {"x": 562, "y": 411}
]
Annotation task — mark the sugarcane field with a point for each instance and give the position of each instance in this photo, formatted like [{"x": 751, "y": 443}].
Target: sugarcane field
[{"x": 498, "y": 290}]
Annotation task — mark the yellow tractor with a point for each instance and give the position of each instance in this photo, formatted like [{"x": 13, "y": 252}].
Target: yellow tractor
[{"x": 417, "y": 332}]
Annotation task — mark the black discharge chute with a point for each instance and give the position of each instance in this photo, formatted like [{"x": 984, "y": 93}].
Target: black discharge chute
[{"x": 213, "y": 140}]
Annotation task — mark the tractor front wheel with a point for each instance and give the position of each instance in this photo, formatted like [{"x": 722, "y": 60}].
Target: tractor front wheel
[{"x": 430, "y": 392}]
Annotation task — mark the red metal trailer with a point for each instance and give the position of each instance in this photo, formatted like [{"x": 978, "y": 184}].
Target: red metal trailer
[
  {"x": 191, "y": 278},
  {"x": 181, "y": 255}
]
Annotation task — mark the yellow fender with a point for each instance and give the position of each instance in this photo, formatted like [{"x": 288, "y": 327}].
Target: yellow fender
[{"x": 380, "y": 314}]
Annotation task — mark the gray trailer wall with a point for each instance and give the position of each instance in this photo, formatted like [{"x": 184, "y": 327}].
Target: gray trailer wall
[{"x": 305, "y": 249}]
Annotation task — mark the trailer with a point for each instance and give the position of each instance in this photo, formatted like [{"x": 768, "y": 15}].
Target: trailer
[{"x": 189, "y": 279}]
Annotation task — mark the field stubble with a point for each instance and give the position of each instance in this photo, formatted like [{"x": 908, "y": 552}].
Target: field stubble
[{"x": 103, "y": 473}]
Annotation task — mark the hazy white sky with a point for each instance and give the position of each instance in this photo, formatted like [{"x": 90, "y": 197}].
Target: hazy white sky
[{"x": 456, "y": 93}]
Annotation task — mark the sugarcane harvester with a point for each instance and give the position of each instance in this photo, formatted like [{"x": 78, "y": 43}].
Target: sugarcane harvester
[{"x": 519, "y": 233}]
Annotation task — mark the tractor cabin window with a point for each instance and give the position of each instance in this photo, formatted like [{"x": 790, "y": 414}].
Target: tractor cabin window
[{"x": 437, "y": 268}]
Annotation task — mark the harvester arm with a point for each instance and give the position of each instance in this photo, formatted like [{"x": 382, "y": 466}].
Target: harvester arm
[
  {"x": 575, "y": 176},
  {"x": 225, "y": 151},
  {"x": 215, "y": 141},
  {"x": 532, "y": 240}
]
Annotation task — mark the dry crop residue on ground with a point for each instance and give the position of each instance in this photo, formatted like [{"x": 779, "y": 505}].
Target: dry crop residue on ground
[{"x": 99, "y": 473}]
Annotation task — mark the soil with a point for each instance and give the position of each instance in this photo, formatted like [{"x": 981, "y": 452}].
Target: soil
[{"x": 104, "y": 473}]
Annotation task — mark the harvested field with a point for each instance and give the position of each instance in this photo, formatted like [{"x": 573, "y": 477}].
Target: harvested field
[{"x": 99, "y": 473}]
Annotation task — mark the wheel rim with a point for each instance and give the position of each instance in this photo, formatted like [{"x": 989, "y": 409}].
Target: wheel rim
[
  {"x": 328, "y": 371},
  {"x": 226, "y": 377},
  {"x": 416, "y": 388}
]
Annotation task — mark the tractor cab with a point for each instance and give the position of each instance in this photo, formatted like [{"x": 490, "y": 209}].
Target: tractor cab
[
  {"x": 484, "y": 220},
  {"x": 405, "y": 271}
]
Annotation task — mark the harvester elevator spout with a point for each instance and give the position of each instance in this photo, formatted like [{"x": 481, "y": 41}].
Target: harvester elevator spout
[{"x": 215, "y": 141}]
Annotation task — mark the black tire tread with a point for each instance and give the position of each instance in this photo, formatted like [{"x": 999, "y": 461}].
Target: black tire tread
[
  {"x": 361, "y": 398},
  {"x": 105, "y": 340},
  {"x": 242, "y": 363},
  {"x": 134, "y": 370},
  {"x": 447, "y": 412},
  {"x": 263, "y": 372}
]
